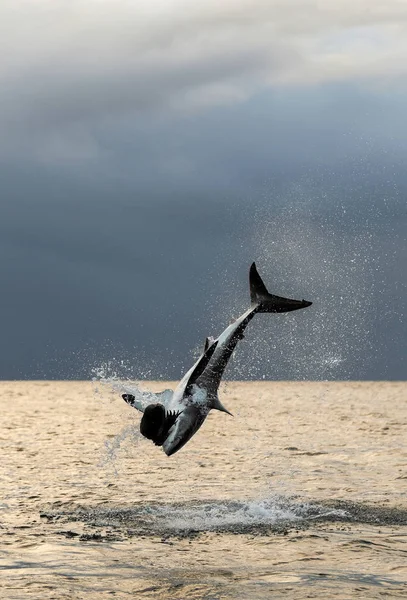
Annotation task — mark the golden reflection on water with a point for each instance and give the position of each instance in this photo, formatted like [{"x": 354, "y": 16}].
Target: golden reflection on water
[{"x": 69, "y": 446}]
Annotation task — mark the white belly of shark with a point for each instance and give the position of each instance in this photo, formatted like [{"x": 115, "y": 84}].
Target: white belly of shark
[{"x": 176, "y": 416}]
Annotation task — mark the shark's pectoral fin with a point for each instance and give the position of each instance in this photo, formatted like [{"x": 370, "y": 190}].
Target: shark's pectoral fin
[
  {"x": 217, "y": 405},
  {"x": 164, "y": 397},
  {"x": 133, "y": 402},
  {"x": 139, "y": 403}
]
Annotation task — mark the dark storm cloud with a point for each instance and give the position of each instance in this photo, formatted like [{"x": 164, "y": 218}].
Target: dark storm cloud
[{"x": 150, "y": 151}]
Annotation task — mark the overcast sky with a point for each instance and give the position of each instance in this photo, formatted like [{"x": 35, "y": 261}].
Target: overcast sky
[{"x": 150, "y": 150}]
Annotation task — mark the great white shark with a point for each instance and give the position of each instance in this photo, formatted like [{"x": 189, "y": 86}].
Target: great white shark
[{"x": 177, "y": 415}]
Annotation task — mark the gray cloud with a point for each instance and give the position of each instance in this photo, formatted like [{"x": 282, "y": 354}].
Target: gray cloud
[{"x": 80, "y": 62}]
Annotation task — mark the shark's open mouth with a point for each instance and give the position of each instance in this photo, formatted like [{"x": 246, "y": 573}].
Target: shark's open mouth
[{"x": 157, "y": 422}]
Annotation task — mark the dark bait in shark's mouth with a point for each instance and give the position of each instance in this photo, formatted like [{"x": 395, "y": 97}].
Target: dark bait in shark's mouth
[{"x": 174, "y": 419}]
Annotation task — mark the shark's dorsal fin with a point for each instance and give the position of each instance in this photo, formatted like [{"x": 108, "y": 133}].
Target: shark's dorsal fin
[
  {"x": 208, "y": 342},
  {"x": 200, "y": 366}
]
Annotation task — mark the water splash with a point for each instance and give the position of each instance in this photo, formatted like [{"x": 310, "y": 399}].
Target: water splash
[
  {"x": 337, "y": 276},
  {"x": 233, "y": 516},
  {"x": 128, "y": 435},
  {"x": 220, "y": 516},
  {"x": 111, "y": 377},
  {"x": 303, "y": 251},
  {"x": 110, "y": 382}
]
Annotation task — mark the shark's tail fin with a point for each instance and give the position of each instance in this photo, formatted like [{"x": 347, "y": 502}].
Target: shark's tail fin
[{"x": 268, "y": 303}]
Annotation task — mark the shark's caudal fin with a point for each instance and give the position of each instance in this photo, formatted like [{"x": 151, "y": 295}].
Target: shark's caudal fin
[{"x": 268, "y": 303}]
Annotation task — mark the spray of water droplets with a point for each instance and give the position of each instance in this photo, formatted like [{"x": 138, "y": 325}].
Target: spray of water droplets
[
  {"x": 303, "y": 252},
  {"x": 110, "y": 381}
]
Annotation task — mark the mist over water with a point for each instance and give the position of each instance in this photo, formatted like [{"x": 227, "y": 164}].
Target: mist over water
[
  {"x": 335, "y": 258},
  {"x": 333, "y": 340}
]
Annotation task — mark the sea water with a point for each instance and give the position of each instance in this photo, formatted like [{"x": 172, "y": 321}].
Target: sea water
[{"x": 300, "y": 495}]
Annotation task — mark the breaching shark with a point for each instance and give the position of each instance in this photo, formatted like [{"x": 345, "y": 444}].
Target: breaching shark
[{"x": 177, "y": 415}]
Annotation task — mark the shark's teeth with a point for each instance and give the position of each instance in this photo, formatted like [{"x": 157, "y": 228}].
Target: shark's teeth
[{"x": 172, "y": 416}]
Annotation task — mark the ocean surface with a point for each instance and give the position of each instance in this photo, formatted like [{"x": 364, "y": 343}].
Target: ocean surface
[{"x": 302, "y": 494}]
